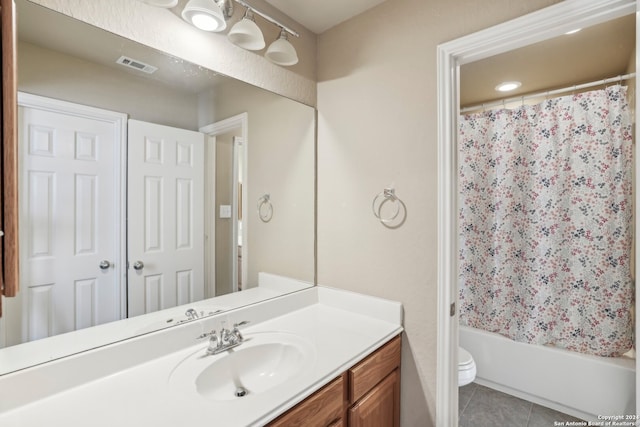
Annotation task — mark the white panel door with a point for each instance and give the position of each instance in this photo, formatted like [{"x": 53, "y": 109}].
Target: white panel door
[
  {"x": 165, "y": 217},
  {"x": 69, "y": 220}
]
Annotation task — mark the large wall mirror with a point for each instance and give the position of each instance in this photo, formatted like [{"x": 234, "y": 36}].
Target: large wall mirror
[{"x": 148, "y": 186}]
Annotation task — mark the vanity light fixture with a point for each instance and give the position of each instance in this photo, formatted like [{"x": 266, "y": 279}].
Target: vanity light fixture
[
  {"x": 282, "y": 52},
  {"x": 508, "y": 86},
  {"x": 206, "y": 15},
  {"x": 211, "y": 15},
  {"x": 246, "y": 34}
]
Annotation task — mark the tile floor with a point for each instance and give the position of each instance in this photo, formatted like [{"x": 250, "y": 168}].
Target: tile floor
[{"x": 481, "y": 406}]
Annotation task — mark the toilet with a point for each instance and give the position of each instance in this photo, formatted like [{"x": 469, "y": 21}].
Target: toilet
[{"x": 466, "y": 367}]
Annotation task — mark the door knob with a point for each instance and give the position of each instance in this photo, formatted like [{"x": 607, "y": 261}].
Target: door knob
[
  {"x": 104, "y": 264},
  {"x": 138, "y": 265}
]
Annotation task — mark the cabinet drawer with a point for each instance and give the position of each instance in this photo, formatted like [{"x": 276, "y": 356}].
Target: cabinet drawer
[
  {"x": 373, "y": 369},
  {"x": 323, "y": 408}
]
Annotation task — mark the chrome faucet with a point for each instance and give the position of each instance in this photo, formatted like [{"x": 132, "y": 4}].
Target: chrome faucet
[
  {"x": 227, "y": 339},
  {"x": 191, "y": 314}
]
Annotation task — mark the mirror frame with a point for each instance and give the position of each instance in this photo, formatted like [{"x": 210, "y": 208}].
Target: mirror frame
[
  {"x": 9, "y": 267},
  {"x": 546, "y": 23}
]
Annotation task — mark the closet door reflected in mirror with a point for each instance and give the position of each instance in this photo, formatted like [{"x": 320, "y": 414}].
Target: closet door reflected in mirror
[
  {"x": 165, "y": 192},
  {"x": 70, "y": 204}
]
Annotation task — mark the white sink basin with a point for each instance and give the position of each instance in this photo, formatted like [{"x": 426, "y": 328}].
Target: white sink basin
[{"x": 262, "y": 362}]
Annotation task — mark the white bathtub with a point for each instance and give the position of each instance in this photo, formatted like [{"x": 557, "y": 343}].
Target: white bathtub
[{"x": 576, "y": 384}]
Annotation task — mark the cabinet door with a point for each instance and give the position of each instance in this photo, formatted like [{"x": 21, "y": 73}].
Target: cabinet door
[
  {"x": 380, "y": 407},
  {"x": 322, "y": 409}
]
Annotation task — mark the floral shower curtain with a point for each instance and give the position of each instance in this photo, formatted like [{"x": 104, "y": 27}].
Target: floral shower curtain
[{"x": 545, "y": 222}]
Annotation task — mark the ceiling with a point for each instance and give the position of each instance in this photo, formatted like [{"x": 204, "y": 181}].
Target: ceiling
[
  {"x": 320, "y": 15},
  {"x": 595, "y": 53}
]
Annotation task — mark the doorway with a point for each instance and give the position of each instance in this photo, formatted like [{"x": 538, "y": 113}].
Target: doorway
[
  {"x": 546, "y": 23},
  {"x": 226, "y": 205}
]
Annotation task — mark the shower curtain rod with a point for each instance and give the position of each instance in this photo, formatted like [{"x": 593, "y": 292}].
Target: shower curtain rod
[{"x": 549, "y": 92}]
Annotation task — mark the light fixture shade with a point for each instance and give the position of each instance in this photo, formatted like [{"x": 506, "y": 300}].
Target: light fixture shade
[
  {"x": 282, "y": 52},
  {"x": 246, "y": 34},
  {"x": 205, "y": 15}
]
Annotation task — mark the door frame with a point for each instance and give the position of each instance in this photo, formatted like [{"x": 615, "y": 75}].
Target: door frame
[
  {"x": 546, "y": 23},
  {"x": 237, "y": 122},
  {"x": 119, "y": 122},
  {"x": 238, "y": 174}
]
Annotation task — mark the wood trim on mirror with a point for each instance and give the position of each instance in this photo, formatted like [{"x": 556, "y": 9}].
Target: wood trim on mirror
[{"x": 9, "y": 164}]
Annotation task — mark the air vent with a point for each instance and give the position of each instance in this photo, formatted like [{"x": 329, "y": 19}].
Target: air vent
[{"x": 136, "y": 65}]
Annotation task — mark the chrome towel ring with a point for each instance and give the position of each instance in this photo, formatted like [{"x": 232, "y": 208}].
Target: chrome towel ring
[
  {"x": 265, "y": 208},
  {"x": 398, "y": 213}
]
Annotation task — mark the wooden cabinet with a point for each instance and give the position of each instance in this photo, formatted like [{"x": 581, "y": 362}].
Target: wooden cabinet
[
  {"x": 374, "y": 388},
  {"x": 324, "y": 408},
  {"x": 8, "y": 154},
  {"x": 367, "y": 395},
  {"x": 380, "y": 407}
]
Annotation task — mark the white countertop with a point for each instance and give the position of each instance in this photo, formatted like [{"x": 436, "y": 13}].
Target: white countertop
[
  {"x": 32, "y": 353},
  {"x": 342, "y": 327}
]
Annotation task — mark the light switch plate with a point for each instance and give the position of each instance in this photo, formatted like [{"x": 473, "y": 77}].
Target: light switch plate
[{"x": 225, "y": 211}]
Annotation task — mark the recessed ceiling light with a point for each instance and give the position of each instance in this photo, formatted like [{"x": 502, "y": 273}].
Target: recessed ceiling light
[
  {"x": 573, "y": 31},
  {"x": 508, "y": 86}
]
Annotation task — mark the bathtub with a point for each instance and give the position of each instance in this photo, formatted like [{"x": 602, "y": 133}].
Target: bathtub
[{"x": 576, "y": 384}]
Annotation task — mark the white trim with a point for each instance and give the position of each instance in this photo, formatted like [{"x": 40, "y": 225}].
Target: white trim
[
  {"x": 636, "y": 202},
  {"x": 534, "y": 27},
  {"x": 239, "y": 121},
  {"x": 209, "y": 217},
  {"x": 239, "y": 176},
  {"x": 119, "y": 121}
]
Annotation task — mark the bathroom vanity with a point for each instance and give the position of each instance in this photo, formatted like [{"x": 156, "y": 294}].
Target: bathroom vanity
[
  {"x": 315, "y": 357},
  {"x": 367, "y": 394}
]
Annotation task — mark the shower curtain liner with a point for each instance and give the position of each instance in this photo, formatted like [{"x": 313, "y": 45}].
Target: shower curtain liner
[{"x": 545, "y": 222}]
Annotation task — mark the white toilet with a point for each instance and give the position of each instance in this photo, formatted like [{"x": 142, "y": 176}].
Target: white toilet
[{"x": 466, "y": 367}]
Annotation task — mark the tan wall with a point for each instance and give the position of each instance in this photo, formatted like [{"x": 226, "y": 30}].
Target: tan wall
[
  {"x": 52, "y": 74},
  {"x": 377, "y": 128},
  {"x": 281, "y": 164},
  {"x": 224, "y": 226}
]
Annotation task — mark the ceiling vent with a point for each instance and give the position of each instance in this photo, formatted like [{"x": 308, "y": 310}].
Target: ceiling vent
[{"x": 136, "y": 65}]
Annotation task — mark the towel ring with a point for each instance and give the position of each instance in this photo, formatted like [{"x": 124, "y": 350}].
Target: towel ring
[
  {"x": 388, "y": 195},
  {"x": 265, "y": 208}
]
